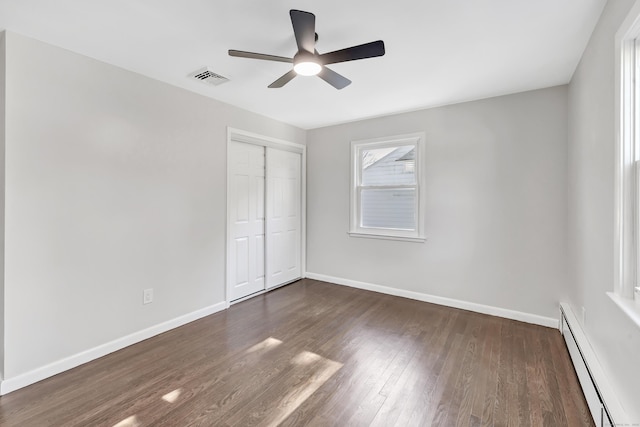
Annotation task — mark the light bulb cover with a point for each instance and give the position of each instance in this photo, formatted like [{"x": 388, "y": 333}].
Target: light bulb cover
[
  {"x": 307, "y": 68},
  {"x": 306, "y": 64}
]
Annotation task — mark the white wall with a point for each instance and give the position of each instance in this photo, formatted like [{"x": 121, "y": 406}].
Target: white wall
[
  {"x": 496, "y": 204},
  {"x": 2, "y": 135},
  {"x": 114, "y": 183},
  {"x": 614, "y": 337}
]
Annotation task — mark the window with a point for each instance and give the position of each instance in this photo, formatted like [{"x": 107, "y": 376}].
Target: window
[
  {"x": 627, "y": 178},
  {"x": 387, "y": 190}
]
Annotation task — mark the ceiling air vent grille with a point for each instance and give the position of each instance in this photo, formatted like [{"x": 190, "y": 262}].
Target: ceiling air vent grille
[{"x": 205, "y": 75}]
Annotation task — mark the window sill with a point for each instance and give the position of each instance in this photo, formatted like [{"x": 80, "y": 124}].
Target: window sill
[
  {"x": 628, "y": 307},
  {"x": 384, "y": 237}
]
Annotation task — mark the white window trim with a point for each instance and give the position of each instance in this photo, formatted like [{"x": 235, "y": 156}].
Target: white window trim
[
  {"x": 627, "y": 191},
  {"x": 378, "y": 233}
]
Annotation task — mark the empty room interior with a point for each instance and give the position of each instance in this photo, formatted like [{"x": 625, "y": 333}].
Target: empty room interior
[{"x": 238, "y": 213}]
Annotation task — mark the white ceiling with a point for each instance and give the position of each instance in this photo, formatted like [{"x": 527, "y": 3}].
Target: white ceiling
[{"x": 438, "y": 51}]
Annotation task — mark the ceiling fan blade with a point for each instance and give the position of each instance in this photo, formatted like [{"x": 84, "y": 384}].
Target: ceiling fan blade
[
  {"x": 304, "y": 28},
  {"x": 334, "y": 79},
  {"x": 283, "y": 80},
  {"x": 367, "y": 50},
  {"x": 252, "y": 55}
]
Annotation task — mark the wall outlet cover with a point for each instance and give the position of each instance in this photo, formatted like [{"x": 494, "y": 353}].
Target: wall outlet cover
[{"x": 147, "y": 296}]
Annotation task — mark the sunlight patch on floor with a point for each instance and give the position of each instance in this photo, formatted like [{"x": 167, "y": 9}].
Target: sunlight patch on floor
[
  {"x": 291, "y": 401},
  {"x": 267, "y": 344},
  {"x": 305, "y": 358},
  {"x": 132, "y": 421},
  {"x": 172, "y": 396}
]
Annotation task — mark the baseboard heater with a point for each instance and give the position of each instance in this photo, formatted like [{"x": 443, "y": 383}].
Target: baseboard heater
[{"x": 602, "y": 403}]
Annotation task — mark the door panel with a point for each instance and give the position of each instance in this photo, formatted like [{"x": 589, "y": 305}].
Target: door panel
[
  {"x": 242, "y": 261},
  {"x": 246, "y": 219},
  {"x": 283, "y": 216}
]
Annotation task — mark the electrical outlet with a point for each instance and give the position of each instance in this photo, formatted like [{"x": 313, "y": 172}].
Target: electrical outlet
[{"x": 147, "y": 296}]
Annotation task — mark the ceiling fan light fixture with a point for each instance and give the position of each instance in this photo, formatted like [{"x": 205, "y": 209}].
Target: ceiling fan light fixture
[
  {"x": 307, "y": 68},
  {"x": 307, "y": 61}
]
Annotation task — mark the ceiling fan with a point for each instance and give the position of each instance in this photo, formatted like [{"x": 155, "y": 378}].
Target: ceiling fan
[{"x": 307, "y": 61}]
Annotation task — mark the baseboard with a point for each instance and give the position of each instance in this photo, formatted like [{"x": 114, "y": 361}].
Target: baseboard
[
  {"x": 449, "y": 302},
  {"x": 39, "y": 374}
]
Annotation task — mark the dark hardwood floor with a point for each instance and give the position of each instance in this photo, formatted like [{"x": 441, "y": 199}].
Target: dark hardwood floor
[{"x": 313, "y": 353}]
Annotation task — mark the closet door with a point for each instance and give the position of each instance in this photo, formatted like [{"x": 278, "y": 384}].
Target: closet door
[
  {"x": 284, "y": 224},
  {"x": 246, "y": 219}
]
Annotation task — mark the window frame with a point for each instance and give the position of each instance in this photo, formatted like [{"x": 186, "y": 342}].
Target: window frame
[
  {"x": 626, "y": 287},
  {"x": 355, "y": 229}
]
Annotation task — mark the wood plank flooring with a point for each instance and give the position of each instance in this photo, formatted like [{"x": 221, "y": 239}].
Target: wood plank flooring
[{"x": 318, "y": 354}]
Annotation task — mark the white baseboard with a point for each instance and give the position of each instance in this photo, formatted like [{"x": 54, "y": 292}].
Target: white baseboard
[
  {"x": 449, "y": 302},
  {"x": 39, "y": 374}
]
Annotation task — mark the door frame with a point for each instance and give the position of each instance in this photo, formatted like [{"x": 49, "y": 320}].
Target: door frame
[{"x": 239, "y": 135}]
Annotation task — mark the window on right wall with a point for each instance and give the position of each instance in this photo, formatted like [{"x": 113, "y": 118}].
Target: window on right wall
[
  {"x": 627, "y": 164},
  {"x": 387, "y": 188}
]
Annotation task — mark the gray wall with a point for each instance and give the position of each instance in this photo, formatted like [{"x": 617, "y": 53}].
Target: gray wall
[
  {"x": 613, "y": 336},
  {"x": 496, "y": 204},
  {"x": 114, "y": 183}
]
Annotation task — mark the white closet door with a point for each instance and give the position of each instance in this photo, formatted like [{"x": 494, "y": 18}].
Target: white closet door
[
  {"x": 246, "y": 273},
  {"x": 283, "y": 216}
]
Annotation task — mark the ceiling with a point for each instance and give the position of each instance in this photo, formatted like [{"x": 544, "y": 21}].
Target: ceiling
[{"x": 438, "y": 51}]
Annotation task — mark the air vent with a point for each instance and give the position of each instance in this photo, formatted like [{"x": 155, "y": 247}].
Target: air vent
[{"x": 207, "y": 76}]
